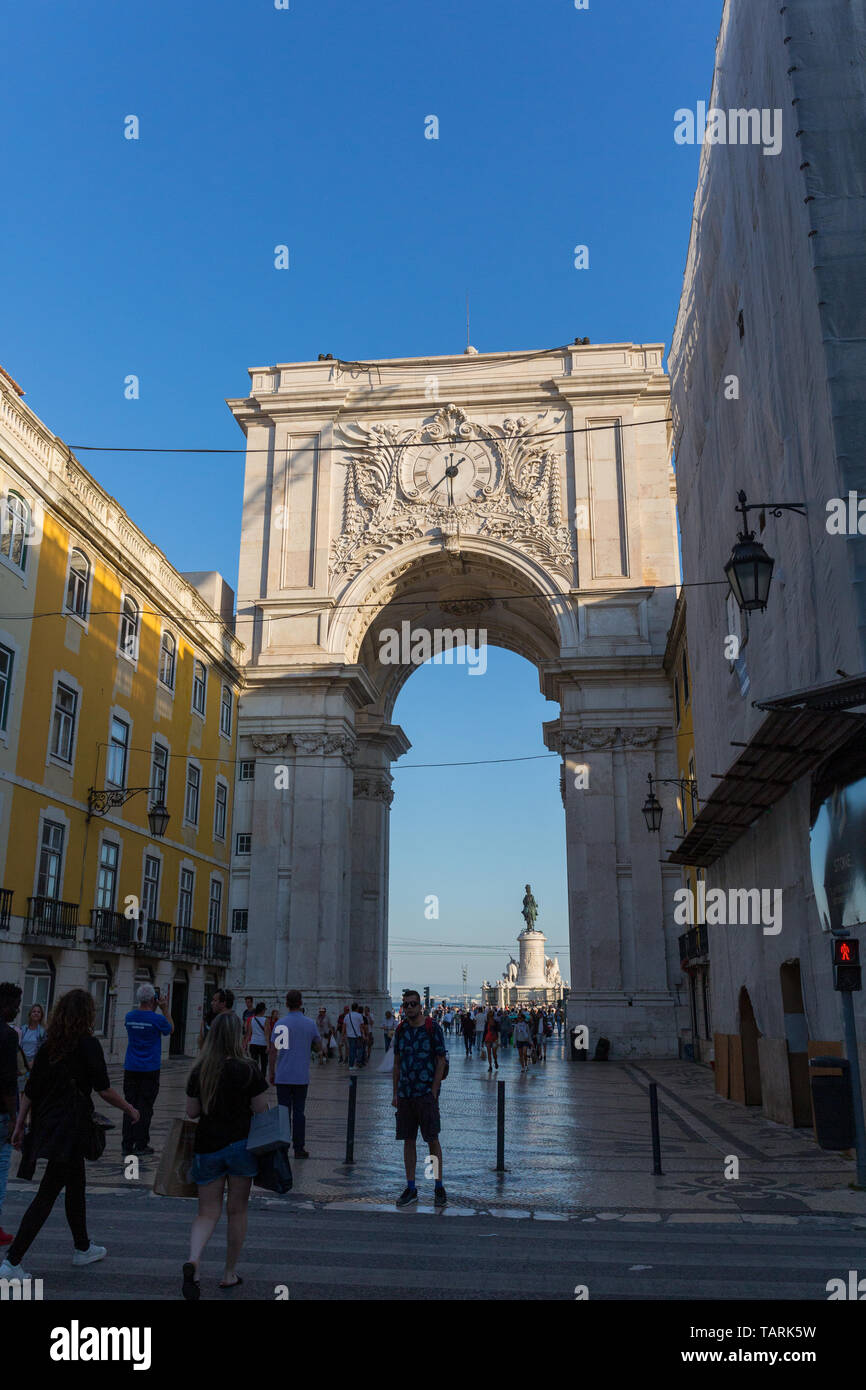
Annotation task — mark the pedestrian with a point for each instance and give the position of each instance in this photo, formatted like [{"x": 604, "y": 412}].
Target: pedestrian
[
  {"x": 32, "y": 1038},
  {"x": 323, "y": 1023},
  {"x": 523, "y": 1038},
  {"x": 57, "y": 1101},
  {"x": 353, "y": 1029},
  {"x": 10, "y": 1000},
  {"x": 369, "y": 1035},
  {"x": 559, "y": 1023},
  {"x": 224, "y": 1090},
  {"x": 468, "y": 1029},
  {"x": 479, "y": 1031},
  {"x": 222, "y": 1002},
  {"x": 419, "y": 1066},
  {"x": 388, "y": 1029},
  {"x": 342, "y": 1040},
  {"x": 248, "y": 1008},
  {"x": 491, "y": 1040},
  {"x": 256, "y": 1037},
  {"x": 145, "y": 1029},
  {"x": 289, "y": 1049},
  {"x": 506, "y": 1028},
  {"x": 545, "y": 1030}
]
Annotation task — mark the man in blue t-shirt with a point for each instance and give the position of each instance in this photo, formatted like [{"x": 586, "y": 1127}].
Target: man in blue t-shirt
[
  {"x": 145, "y": 1029},
  {"x": 293, "y": 1038}
]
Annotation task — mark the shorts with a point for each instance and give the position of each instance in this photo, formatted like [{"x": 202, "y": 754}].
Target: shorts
[
  {"x": 418, "y": 1110},
  {"x": 234, "y": 1161}
]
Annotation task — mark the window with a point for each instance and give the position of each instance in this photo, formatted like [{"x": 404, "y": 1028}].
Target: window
[
  {"x": 220, "y": 810},
  {"x": 15, "y": 529},
  {"x": 7, "y": 662},
  {"x": 99, "y": 983},
  {"x": 78, "y": 587},
  {"x": 63, "y": 726},
  {"x": 677, "y": 698},
  {"x": 50, "y": 860},
  {"x": 159, "y": 772},
  {"x": 185, "y": 896},
  {"x": 150, "y": 887},
  {"x": 215, "y": 906},
  {"x": 106, "y": 883},
  {"x": 685, "y": 677},
  {"x": 243, "y": 844},
  {"x": 129, "y": 618},
  {"x": 199, "y": 687},
  {"x": 247, "y": 770},
  {"x": 38, "y": 985},
  {"x": 226, "y": 712},
  {"x": 240, "y": 917},
  {"x": 682, "y": 803},
  {"x": 694, "y": 787},
  {"x": 193, "y": 787},
  {"x": 118, "y": 747},
  {"x": 167, "y": 659}
]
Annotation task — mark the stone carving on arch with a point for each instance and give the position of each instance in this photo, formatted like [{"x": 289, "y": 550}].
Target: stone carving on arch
[
  {"x": 590, "y": 738},
  {"x": 518, "y": 502}
]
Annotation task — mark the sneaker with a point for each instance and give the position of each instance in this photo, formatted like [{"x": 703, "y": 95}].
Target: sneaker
[
  {"x": 90, "y": 1255},
  {"x": 408, "y": 1197},
  {"x": 440, "y": 1197},
  {"x": 299, "y": 1153},
  {"x": 8, "y": 1271},
  {"x": 5, "y": 1238}
]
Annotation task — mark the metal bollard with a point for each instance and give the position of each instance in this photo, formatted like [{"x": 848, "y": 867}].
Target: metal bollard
[
  {"x": 500, "y": 1127},
  {"x": 350, "y": 1120},
  {"x": 654, "y": 1121}
]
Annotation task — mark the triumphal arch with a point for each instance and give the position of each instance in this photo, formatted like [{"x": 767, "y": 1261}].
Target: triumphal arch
[{"x": 530, "y": 494}]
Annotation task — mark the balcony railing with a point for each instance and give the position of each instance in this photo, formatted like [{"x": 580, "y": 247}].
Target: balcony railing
[
  {"x": 5, "y": 908},
  {"x": 694, "y": 943},
  {"x": 153, "y": 938},
  {"x": 51, "y": 917},
  {"x": 219, "y": 948},
  {"x": 188, "y": 943},
  {"x": 110, "y": 929}
]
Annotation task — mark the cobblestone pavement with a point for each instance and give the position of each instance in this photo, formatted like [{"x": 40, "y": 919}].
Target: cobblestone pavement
[{"x": 577, "y": 1143}]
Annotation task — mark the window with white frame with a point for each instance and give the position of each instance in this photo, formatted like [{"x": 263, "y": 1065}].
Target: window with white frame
[
  {"x": 150, "y": 887},
  {"x": 63, "y": 723},
  {"x": 158, "y": 772},
  {"x": 215, "y": 906},
  {"x": 106, "y": 882},
  {"x": 193, "y": 790},
  {"x": 243, "y": 844},
  {"x": 99, "y": 985},
  {"x": 118, "y": 751},
  {"x": 167, "y": 660},
  {"x": 199, "y": 687},
  {"x": 220, "y": 811},
  {"x": 7, "y": 665},
  {"x": 50, "y": 872},
  {"x": 14, "y": 529},
  {"x": 130, "y": 617},
  {"x": 185, "y": 898},
  {"x": 247, "y": 770},
  {"x": 240, "y": 918},
  {"x": 78, "y": 585},
  {"x": 226, "y": 712},
  {"x": 38, "y": 985}
]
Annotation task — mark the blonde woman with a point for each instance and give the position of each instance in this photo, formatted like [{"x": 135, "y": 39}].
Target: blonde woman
[{"x": 225, "y": 1089}]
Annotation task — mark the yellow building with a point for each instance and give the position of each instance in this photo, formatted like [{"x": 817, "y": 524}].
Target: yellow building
[
  {"x": 694, "y": 944},
  {"x": 119, "y": 682}
]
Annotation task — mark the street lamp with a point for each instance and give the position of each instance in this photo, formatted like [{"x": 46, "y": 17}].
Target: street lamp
[
  {"x": 652, "y": 808},
  {"x": 750, "y": 569},
  {"x": 102, "y": 800}
]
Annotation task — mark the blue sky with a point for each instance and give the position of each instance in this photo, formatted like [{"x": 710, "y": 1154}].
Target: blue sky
[{"x": 305, "y": 127}]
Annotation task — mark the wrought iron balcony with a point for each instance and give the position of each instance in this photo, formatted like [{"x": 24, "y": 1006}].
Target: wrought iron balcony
[
  {"x": 110, "y": 929},
  {"x": 51, "y": 917},
  {"x": 5, "y": 908},
  {"x": 219, "y": 948},
  {"x": 694, "y": 943},
  {"x": 188, "y": 943},
  {"x": 153, "y": 938}
]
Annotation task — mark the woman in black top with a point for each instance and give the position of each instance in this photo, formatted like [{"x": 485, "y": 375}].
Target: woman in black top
[
  {"x": 225, "y": 1089},
  {"x": 68, "y": 1066}
]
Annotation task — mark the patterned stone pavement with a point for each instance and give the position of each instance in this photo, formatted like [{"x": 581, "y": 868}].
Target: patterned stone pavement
[{"x": 577, "y": 1144}]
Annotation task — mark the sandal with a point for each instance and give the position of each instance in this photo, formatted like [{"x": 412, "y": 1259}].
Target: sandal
[
  {"x": 191, "y": 1289},
  {"x": 238, "y": 1280}
]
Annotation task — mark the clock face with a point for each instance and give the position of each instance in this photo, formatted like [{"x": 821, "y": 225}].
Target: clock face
[{"x": 449, "y": 474}]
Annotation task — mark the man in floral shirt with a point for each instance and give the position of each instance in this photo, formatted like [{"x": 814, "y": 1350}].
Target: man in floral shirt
[{"x": 419, "y": 1063}]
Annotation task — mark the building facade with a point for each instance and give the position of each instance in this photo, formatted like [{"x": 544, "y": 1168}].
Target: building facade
[
  {"x": 528, "y": 494},
  {"x": 769, "y": 397},
  {"x": 117, "y": 675}
]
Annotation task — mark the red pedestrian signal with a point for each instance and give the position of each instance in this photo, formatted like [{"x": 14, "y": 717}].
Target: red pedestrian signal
[{"x": 846, "y": 951}]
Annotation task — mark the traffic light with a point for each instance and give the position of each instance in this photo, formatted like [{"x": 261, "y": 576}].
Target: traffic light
[
  {"x": 846, "y": 963},
  {"x": 426, "y": 996}
]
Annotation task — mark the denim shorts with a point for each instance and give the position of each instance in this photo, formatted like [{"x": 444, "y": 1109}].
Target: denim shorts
[{"x": 233, "y": 1161}]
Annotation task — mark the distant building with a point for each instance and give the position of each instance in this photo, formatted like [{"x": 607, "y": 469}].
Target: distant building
[{"x": 534, "y": 979}]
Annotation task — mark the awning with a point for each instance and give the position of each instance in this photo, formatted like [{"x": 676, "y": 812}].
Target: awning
[{"x": 789, "y": 744}]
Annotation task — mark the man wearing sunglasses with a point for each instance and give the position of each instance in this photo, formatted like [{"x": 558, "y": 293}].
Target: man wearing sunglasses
[{"x": 419, "y": 1064}]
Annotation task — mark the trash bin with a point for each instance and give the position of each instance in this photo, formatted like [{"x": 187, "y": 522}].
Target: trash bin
[
  {"x": 577, "y": 1054},
  {"x": 833, "y": 1104}
]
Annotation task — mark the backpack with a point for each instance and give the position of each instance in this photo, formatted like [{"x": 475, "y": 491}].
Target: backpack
[{"x": 428, "y": 1024}]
